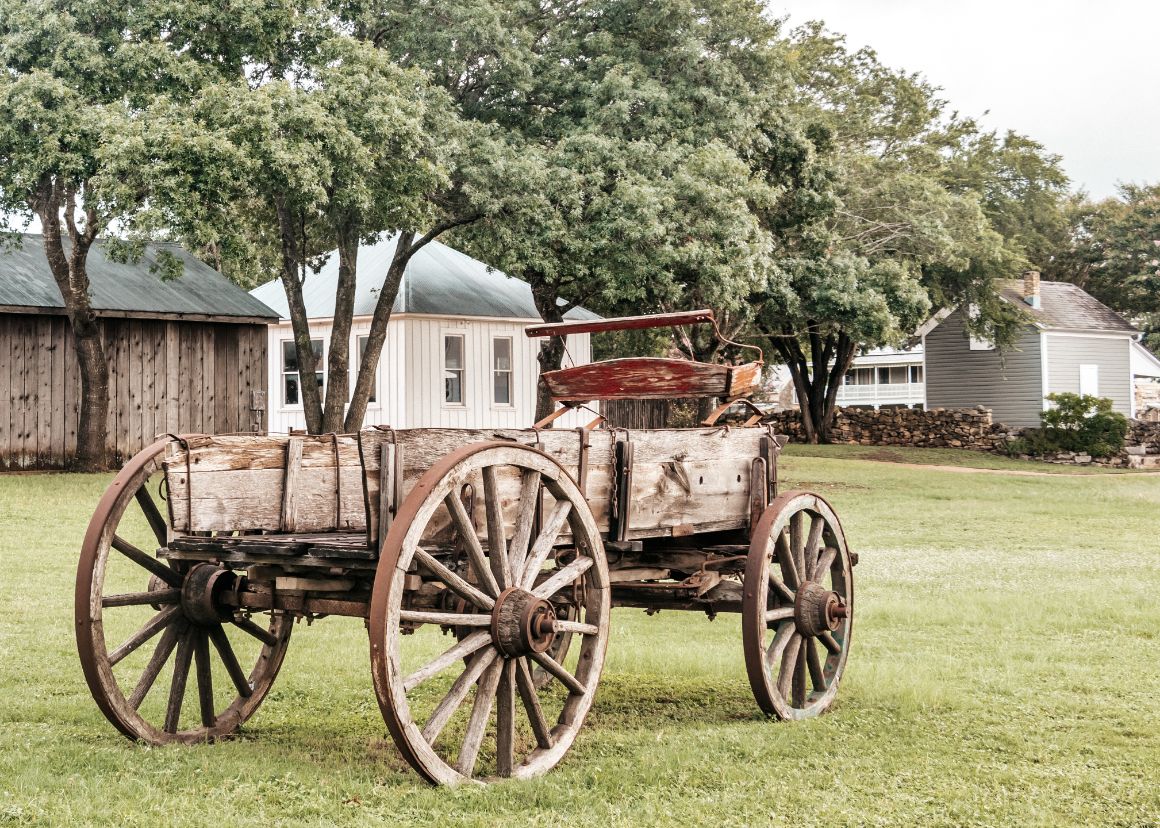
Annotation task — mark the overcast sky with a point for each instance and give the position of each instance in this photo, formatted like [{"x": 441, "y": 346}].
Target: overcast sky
[{"x": 1080, "y": 77}]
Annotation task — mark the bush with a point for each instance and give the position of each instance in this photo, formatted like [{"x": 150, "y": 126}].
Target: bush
[{"x": 1080, "y": 423}]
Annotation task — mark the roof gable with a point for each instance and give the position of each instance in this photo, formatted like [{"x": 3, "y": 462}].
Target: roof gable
[
  {"x": 128, "y": 289},
  {"x": 439, "y": 281}
]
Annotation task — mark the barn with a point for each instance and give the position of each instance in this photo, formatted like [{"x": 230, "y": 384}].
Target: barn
[
  {"x": 184, "y": 355},
  {"x": 455, "y": 356}
]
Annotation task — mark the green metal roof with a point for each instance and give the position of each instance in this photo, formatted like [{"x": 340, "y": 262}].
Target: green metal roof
[{"x": 126, "y": 289}]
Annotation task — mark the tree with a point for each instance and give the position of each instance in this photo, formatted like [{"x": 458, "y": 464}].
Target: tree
[{"x": 904, "y": 212}]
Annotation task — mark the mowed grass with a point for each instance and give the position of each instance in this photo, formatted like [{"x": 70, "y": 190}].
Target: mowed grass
[
  {"x": 1005, "y": 671},
  {"x": 944, "y": 457}
]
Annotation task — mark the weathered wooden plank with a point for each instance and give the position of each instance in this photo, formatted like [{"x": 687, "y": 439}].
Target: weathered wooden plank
[
  {"x": 171, "y": 389},
  {"x": 57, "y": 394},
  {"x": 650, "y": 378},
  {"x": 27, "y": 449},
  {"x": 7, "y": 395},
  {"x": 137, "y": 368},
  {"x": 290, "y": 484},
  {"x": 208, "y": 382},
  {"x": 43, "y": 398}
]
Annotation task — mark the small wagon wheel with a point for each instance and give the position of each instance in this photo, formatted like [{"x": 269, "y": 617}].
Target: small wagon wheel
[
  {"x": 510, "y": 602},
  {"x": 798, "y": 607},
  {"x": 126, "y": 595}
]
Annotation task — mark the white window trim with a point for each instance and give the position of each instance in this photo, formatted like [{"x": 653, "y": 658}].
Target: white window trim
[
  {"x": 1094, "y": 369},
  {"x": 511, "y": 372},
  {"x": 282, "y": 373},
  {"x": 443, "y": 334}
]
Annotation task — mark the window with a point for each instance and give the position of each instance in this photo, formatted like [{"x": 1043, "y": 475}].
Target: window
[
  {"x": 892, "y": 375},
  {"x": 290, "y": 379},
  {"x": 916, "y": 373},
  {"x": 356, "y": 366},
  {"x": 1089, "y": 380},
  {"x": 453, "y": 369},
  {"x": 501, "y": 370},
  {"x": 860, "y": 376}
]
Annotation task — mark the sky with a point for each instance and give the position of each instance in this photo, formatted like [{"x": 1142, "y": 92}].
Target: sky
[{"x": 1080, "y": 77}]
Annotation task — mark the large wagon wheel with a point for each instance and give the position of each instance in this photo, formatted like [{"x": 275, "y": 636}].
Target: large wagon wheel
[
  {"x": 510, "y": 603},
  {"x": 126, "y": 595},
  {"x": 797, "y": 612}
]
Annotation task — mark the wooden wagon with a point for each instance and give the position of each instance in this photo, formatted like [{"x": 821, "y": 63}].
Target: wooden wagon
[{"x": 485, "y": 564}]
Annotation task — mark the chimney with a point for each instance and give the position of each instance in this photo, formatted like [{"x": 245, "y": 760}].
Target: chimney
[{"x": 1031, "y": 288}]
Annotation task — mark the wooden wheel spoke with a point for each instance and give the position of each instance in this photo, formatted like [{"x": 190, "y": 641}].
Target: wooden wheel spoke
[
  {"x": 824, "y": 562},
  {"x": 797, "y": 542},
  {"x": 780, "y": 588},
  {"x": 477, "y": 723},
  {"x": 562, "y": 578},
  {"x": 530, "y": 493},
  {"x": 453, "y": 582},
  {"x": 221, "y": 643},
  {"x": 565, "y": 626},
  {"x": 817, "y": 525},
  {"x": 466, "y": 532},
  {"x": 461, "y": 650},
  {"x": 777, "y": 646},
  {"x": 505, "y": 720},
  {"x": 177, "y": 685},
  {"x": 153, "y": 516},
  {"x": 153, "y": 668},
  {"x": 497, "y": 548},
  {"x": 559, "y": 671},
  {"x": 135, "y": 599},
  {"x": 447, "y": 619},
  {"x": 531, "y": 701},
  {"x": 204, "y": 678},
  {"x": 246, "y": 625},
  {"x": 544, "y": 543},
  {"x": 788, "y": 667},
  {"x": 830, "y": 643},
  {"x": 148, "y": 562},
  {"x": 799, "y": 676},
  {"x": 786, "y": 560},
  {"x": 814, "y": 662},
  {"x": 153, "y": 626},
  {"x": 458, "y": 692},
  {"x": 780, "y": 614}
]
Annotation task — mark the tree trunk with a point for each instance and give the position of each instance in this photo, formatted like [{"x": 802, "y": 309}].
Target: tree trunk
[
  {"x": 816, "y": 376},
  {"x": 69, "y": 271},
  {"x": 551, "y": 356},
  {"x": 365, "y": 383},
  {"x": 289, "y": 226},
  {"x": 338, "y": 367}
]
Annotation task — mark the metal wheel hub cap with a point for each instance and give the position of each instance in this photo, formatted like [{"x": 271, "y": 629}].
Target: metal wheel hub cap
[
  {"x": 200, "y": 591},
  {"x": 521, "y": 623},
  {"x": 817, "y": 610}
]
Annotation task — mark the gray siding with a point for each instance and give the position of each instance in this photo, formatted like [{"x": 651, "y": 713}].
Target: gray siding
[
  {"x": 1010, "y": 383},
  {"x": 1065, "y": 354}
]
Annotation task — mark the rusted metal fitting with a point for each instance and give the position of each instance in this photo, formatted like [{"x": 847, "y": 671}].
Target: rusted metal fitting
[
  {"x": 817, "y": 609},
  {"x": 522, "y": 624}
]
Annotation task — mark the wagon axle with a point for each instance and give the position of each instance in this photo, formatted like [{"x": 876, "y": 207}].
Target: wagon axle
[{"x": 522, "y": 624}]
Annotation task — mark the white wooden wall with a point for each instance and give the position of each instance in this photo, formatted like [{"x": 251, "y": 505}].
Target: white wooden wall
[{"x": 410, "y": 381}]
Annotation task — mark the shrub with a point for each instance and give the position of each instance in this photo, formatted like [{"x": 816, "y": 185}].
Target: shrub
[{"x": 1080, "y": 423}]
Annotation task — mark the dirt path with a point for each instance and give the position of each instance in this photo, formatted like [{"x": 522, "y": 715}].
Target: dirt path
[{"x": 1005, "y": 472}]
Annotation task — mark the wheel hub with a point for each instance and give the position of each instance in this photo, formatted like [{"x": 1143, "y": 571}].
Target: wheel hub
[
  {"x": 817, "y": 609},
  {"x": 201, "y": 591},
  {"x": 522, "y": 624}
]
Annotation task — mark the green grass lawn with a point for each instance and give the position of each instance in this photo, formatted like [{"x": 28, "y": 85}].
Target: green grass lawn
[
  {"x": 1005, "y": 671},
  {"x": 944, "y": 457}
]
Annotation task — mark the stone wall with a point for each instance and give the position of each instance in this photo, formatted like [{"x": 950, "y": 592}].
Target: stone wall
[{"x": 937, "y": 428}]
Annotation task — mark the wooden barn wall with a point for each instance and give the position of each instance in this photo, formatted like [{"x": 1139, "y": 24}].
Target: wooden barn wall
[{"x": 164, "y": 376}]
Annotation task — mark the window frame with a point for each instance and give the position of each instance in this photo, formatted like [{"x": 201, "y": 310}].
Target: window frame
[
  {"x": 510, "y": 371},
  {"x": 283, "y": 373},
  {"x": 461, "y": 335}
]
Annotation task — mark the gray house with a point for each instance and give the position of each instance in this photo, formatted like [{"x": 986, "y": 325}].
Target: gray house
[{"x": 1074, "y": 343}]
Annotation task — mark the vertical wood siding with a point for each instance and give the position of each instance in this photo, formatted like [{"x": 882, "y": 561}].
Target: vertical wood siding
[
  {"x": 410, "y": 380},
  {"x": 1010, "y": 383},
  {"x": 164, "y": 376}
]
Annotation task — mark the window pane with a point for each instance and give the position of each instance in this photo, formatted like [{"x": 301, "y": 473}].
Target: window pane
[
  {"x": 503, "y": 354},
  {"x": 453, "y": 352},
  {"x": 317, "y": 343},
  {"x": 916, "y": 373},
  {"x": 453, "y": 386},
  {"x": 883, "y": 376},
  {"x": 289, "y": 356},
  {"x": 898, "y": 375},
  {"x": 503, "y": 388},
  {"x": 321, "y": 379},
  {"x": 290, "y": 390}
]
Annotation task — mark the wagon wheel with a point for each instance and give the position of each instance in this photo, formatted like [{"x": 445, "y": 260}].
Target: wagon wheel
[
  {"x": 129, "y": 597},
  {"x": 798, "y": 607},
  {"x": 510, "y": 605}
]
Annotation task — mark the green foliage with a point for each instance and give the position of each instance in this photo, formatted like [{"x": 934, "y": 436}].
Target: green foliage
[{"x": 1078, "y": 423}]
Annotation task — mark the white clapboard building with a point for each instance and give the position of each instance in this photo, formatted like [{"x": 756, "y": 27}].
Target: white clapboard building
[{"x": 455, "y": 356}]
